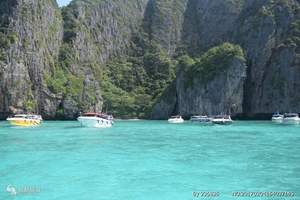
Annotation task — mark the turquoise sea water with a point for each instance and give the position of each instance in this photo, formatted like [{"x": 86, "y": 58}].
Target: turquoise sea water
[{"x": 148, "y": 160}]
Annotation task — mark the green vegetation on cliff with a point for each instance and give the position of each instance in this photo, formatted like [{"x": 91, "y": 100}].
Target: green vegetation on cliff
[
  {"x": 132, "y": 84},
  {"x": 120, "y": 56},
  {"x": 213, "y": 62}
]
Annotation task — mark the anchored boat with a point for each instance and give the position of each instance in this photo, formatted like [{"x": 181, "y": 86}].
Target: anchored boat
[
  {"x": 25, "y": 120},
  {"x": 291, "y": 118},
  {"x": 222, "y": 120},
  {"x": 201, "y": 119},
  {"x": 278, "y": 118},
  {"x": 176, "y": 120},
  {"x": 96, "y": 120}
]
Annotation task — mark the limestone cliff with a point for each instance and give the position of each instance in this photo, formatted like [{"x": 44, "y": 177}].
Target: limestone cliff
[
  {"x": 268, "y": 34},
  {"x": 94, "y": 33},
  {"x": 164, "y": 22},
  {"x": 223, "y": 93},
  {"x": 210, "y": 85},
  {"x": 267, "y": 31},
  {"x": 121, "y": 56},
  {"x": 30, "y": 37}
]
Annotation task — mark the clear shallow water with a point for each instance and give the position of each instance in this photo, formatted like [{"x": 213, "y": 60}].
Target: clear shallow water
[{"x": 148, "y": 160}]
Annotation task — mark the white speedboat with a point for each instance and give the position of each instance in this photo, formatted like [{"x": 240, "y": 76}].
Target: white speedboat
[
  {"x": 278, "y": 118},
  {"x": 96, "y": 120},
  {"x": 201, "y": 119},
  {"x": 176, "y": 120},
  {"x": 25, "y": 120},
  {"x": 222, "y": 120},
  {"x": 291, "y": 118}
]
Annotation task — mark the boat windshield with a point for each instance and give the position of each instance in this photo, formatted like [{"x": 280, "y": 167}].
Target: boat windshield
[
  {"x": 20, "y": 116},
  {"x": 175, "y": 117},
  {"x": 34, "y": 117},
  {"x": 28, "y": 116},
  {"x": 222, "y": 117},
  {"x": 90, "y": 114},
  {"x": 100, "y": 115},
  {"x": 195, "y": 117},
  {"x": 199, "y": 117},
  {"x": 291, "y": 115}
]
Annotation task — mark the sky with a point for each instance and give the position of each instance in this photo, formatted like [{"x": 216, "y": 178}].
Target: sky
[{"x": 63, "y": 2}]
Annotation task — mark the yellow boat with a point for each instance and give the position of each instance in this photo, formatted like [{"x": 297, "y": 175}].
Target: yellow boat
[{"x": 25, "y": 120}]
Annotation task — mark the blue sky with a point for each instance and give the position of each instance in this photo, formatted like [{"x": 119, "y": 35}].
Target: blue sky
[{"x": 63, "y": 2}]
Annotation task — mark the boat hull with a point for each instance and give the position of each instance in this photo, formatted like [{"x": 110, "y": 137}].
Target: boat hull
[
  {"x": 95, "y": 122},
  {"x": 175, "y": 121},
  {"x": 24, "y": 122},
  {"x": 291, "y": 120},
  {"x": 200, "y": 120},
  {"x": 277, "y": 120}
]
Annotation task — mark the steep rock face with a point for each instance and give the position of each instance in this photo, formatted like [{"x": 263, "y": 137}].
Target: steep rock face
[
  {"x": 268, "y": 32},
  {"x": 77, "y": 63},
  {"x": 263, "y": 34},
  {"x": 281, "y": 88},
  {"x": 222, "y": 94},
  {"x": 211, "y": 84},
  {"x": 167, "y": 103},
  {"x": 209, "y": 23},
  {"x": 120, "y": 55},
  {"x": 103, "y": 29},
  {"x": 164, "y": 21},
  {"x": 133, "y": 46},
  {"x": 95, "y": 32},
  {"x": 31, "y": 32}
]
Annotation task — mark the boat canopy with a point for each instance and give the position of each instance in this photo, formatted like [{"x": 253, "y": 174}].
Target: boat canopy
[
  {"x": 222, "y": 117},
  {"x": 101, "y": 115},
  {"x": 28, "y": 116},
  {"x": 175, "y": 117},
  {"x": 291, "y": 115},
  {"x": 21, "y": 116},
  {"x": 91, "y": 114},
  {"x": 199, "y": 117}
]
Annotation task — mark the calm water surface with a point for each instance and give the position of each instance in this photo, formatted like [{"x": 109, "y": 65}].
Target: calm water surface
[{"x": 147, "y": 160}]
